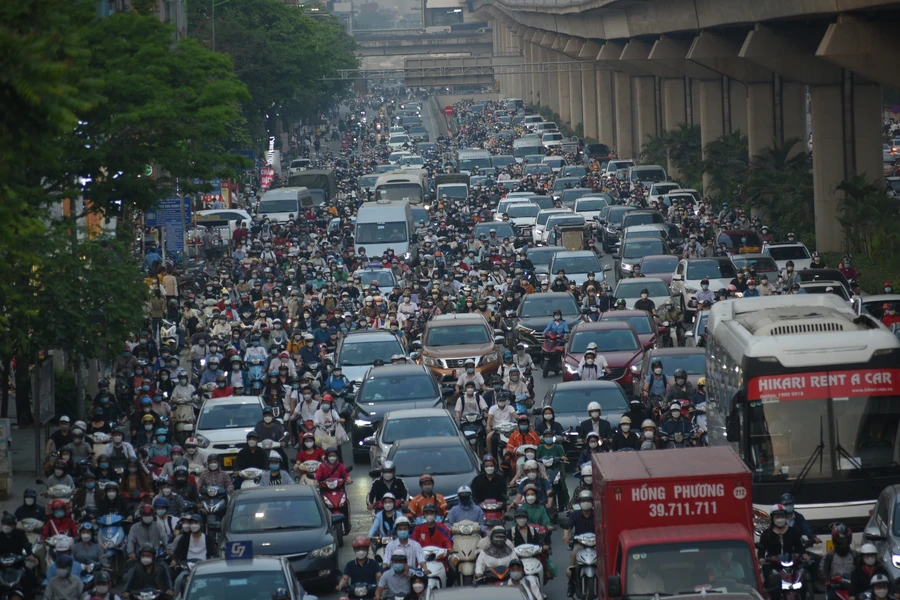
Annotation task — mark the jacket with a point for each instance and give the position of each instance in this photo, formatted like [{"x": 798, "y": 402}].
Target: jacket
[
  {"x": 603, "y": 426},
  {"x": 426, "y": 536},
  {"x": 142, "y": 534},
  {"x": 516, "y": 439},
  {"x": 157, "y": 578},
  {"x": 489, "y": 489},
  {"x": 266, "y": 478},
  {"x": 182, "y": 544},
  {"x": 416, "y": 505},
  {"x": 380, "y": 487},
  {"x": 219, "y": 478}
]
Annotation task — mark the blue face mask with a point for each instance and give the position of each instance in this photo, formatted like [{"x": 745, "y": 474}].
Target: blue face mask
[
  {"x": 59, "y": 514},
  {"x": 161, "y": 439},
  {"x": 548, "y": 440},
  {"x": 705, "y": 287},
  {"x": 274, "y": 467},
  {"x": 470, "y": 370},
  {"x": 146, "y": 388},
  {"x": 326, "y": 408},
  {"x": 403, "y": 534},
  {"x": 90, "y": 485},
  {"x": 398, "y": 567},
  {"x": 104, "y": 400},
  {"x": 523, "y": 428},
  {"x": 104, "y": 465}
]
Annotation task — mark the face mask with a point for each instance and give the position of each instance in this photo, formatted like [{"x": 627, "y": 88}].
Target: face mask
[
  {"x": 648, "y": 435},
  {"x": 595, "y": 414},
  {"x": 426, "y": 489},
  {"x": 252, "y": 443},
  {"x": 418, "y": 587},
  {"x": 191, "y": 451},
  {"x": 516, "y": 575},
  {"x": 29, "y": 501},
  {"x": 104, "y": 400},
  {"x": 557, "y": 318},
  {"x": 212, "y": 466},
  {"x": 274, "y": 467},
  {"x": 644, "y": 296},
  {"x": 195, "y": 527},
  {"x": 267, "y": 419},
  {"x": 117, "y": 440},
  {"x": 403, "y": 534},
  {"x": 388, "y": 506},
  {"x": 58, "y": 472},
  {"x": 7, "y": 529},
  {"x": 676, "y": 414},
  {"x": 332, "y": 459},
  {"x": 85, "y": 537},
  {"x": 501, "y": 403},
  {"x": 59, "y": 514},
  {"x": 148, "y": 427},
  {"x": 589, "y": 361},
  {"x": 625, "y": 428},
  {"x": 592, "y": 444},
  {"x": 531, "y": 475},
  {"x": 530, "y": 499},
  {"x": 146, "y": 560},
  {"x": 781, "y": 522},
  {"x": 548, "y": 441},
  {"x": 387, "y": 476},
  {"x": 881, "y": 592},
  {"x": 523, "y": 428},
  {"x": 869, "y": 560},
  {"x": 62, "y": 572},
  {"x": 429, "y": 518},
  {"x": 90, "y": 485},
  {"x": 704, "y": 287},
  {"x": 161, "y": 439},
  {"x": 147, "y": 520},
  {"x": 657, "y": 371}
]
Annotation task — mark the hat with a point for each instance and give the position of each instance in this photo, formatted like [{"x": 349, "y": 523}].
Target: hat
[{"x": 65, "y": 419}]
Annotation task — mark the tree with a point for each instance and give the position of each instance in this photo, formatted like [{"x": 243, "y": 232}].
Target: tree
[
  {"x": 727, "y": 163},
  {"x": 653, "y": 151},
  {"x": 780, "y": 186},
  {"x": 869, "y": 217},
  {"x": 686, "y": 152}
]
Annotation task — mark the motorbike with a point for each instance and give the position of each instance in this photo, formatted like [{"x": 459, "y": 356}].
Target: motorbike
[
  {"x": 508, "y": 325},
  {"x": 585, "y": 573},
  {"x": 533, "y": 581},
  {"x": 678, "y": 440},
  {"x": 494, "y": 576},
  {"x": 213, "y": 504},
  {"x": 100, "y": 440},
  {"x": 841, "y": 586},
  {"x": 434, "y": 566},
  {"x": 184, "y": 418},
  {"x": 553, "y": 466},
  {"x": 249, "y": 478},
  {"x": 669, "y": 334},
  {"x": 795, "y": 581},
  {"x": 146, "y": 594},
  {"x": 59, "y": 492},
  {"x": 378, "y": 545},
  {"x": 504, "y": 430},
  {"x": 360, "y": 591},
  {"x": 492, "y": 509},
  {"x": 334, "y": 495},
  {"x": 12, "y": 572},
  {"x": 552, "y": 351},
  {"x": 112, "y": 539},
  {"x": 466, "y": 535},
  {"x": 88, "y": 572},
  {"x": 472, "y": 426},
  {"x": 32, "y": 529}
]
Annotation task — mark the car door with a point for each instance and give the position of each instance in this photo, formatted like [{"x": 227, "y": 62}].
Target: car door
[{"x": 677, "y": 286}]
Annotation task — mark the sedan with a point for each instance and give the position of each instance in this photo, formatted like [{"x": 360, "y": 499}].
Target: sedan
[
  {"x": 570, "y": 401},
  {"x": 541, "y": 257},
  {"x": 577, "y": 264},
  {"x": 289, "y": 521},
  {"x": 402, "y": 424},
  {"x": 692, "y": 360},
  {"x": 251, "y": 578},
  {"x": 616, "y": 342},
  {"x": 224, "y": 423},
  {"x": 504, "y": 230},
  {"x": 641, "y": 321},
  {"x": 633, "y": 251},
  {"x": 535, "y": 312},
  {"x": 690, "y": 272},
  {"x": 659, "y": 265},
  {"x": 449, "y": 460},
  {"x": 357, "y": 352},
  {"x": 630, "y": 290},
  {"x": 763, "y": 263}
]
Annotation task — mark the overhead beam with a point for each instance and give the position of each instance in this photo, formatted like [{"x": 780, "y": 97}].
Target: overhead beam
[
  {"x": 866, "y": 48},
  {"x": 672, "y": 53},
  {"x": 637, "y": 53},
  {"x": 720, "y": 53},
  {"x": 792, "y": 56}
]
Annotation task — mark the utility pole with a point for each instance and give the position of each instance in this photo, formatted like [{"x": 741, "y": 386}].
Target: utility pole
[{"x": 214, "y": 5}]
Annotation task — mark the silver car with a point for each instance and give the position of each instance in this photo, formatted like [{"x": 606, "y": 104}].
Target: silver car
[{"x": 357, "y": 352}]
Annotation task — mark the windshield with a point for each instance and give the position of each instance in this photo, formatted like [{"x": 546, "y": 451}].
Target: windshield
[
  {"x": 710, "y": 269},
  {"x": 543, "y": 306},
  {"x": 364, "y": 353},
  {"x": 541, "y": 257},
  {"x": 564, "y": 183},
  {"x": 694, "y": 364},
  {"x": 248, "y": 585},
  {"x": 640, "y": 218},
  {"x": 607, "y": 340},
  {"x": 575, "y": 400},
  {"x": 368, "y": 181},
  {"x": 641, "y": 323},
  {"x": 683, "y": 568},
  {"x": 552, "y": 137},
  {"x": 402, "y": 429},
  {"x": 569, "y": 219},
  {"x": 255, "y": 515},
  {"x": 420, "y": 216},
  {"x": 590, "y": 205},
  {"x": 399, "y": 191},
  {"x": 381, "y": 233},
  {"x": 576, "y": 264},
  {"x": 454, "y": 192},
  {"x": 398, "y": 388},
  {"x": 502, "y": 161},
  {"x": 469, "y": 164},
  {"x": 543, "y": 217},
  {"x": 381, "y": 278},
  {"x": 503, "y": 230},
  {"x": 414, "y": 462},
  {"x": 538, "y": 170},
  {"x": 659, "y": 265},
  {"x": 598, "y": 149},
  {"x": 229, "y": 416},
  {"x": 527, "y": 210},
  {"x": 632, "y": 289},
  {"x": 788, "y": 253},
  {"x": 762, "y": 263},
  {"x": 570, "y": 196},
  {"x": 642, "y": 248},
  {"x": 278, "y": 206},
  {"x": 641, "y": 174},
  {"x": 523, "y": 151},
  {"x": 456, "y": 335},
  {"x": 662, "y": 188},
  {"x": 574, "y": 171},
  {"x": 615, "y": 216},
  {"x": 399, "y": 139}
]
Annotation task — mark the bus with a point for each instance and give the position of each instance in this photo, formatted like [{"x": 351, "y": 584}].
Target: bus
[
  {"x": 410, "y": 185},
  {"x": 808, "y": 394},
  {"x": 470, "y": 160}
]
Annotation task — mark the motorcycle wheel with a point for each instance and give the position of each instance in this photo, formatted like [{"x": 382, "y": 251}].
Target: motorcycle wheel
[
  {"x": 467, "y": 580},
  {"x": 546, "y": 367},
  {"x": 590, "y": 589}
]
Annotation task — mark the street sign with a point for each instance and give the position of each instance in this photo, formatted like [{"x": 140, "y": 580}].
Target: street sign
[
  {"x": 171, "y": 213},
  {"x": 238, "y": 550},
  {"x": 448, "y": 110},
  {"x": 266, "y": 175}
]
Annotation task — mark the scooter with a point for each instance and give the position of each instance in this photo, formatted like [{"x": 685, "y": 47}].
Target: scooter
[
  {"x": 669, "y": 335},
  {"x": 472, "y": 426},
  {"x": 494, "y": 576},
  {"x": 552, "y": 351},
  {"x": 146, "y": 594},
  {"x": 795, "y": 584},
  {"x": 112, "y": 540},
  {"x": 466, "y": 535},
  {"x": 585, "y": 573},
  {"x": 334, "y": 494},
  {"x": 434, "y": 566},
  {"x": 840, "y": 585},
  {"x": 553, "y": 466},
  {"x": 32, "y": 529},
  {"x": 378, "y": 545},
  {"x": 360, "y": 591},
  {"x": 12, "y": 572},
  {"x": 214, "y": 505},
  {"x": 533, "y": 581},
  {"x": 249, "y": 478},
  {"x": 492, "y": 509},
  {"x": 184, "y": 418}
]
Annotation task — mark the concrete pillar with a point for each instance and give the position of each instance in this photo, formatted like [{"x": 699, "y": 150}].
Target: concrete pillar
[
  {"x": 793, "y": 111},
  {"x": 563, "y": 107},
  {"x": 760, "y": 117},
  {"x": 544, "y": 89},
  {"x": 531, "y": 76},
  {"x": 624, "y": 129},
  {"x": 605, "y": 130},
  {"x": 828, "y": 162},
  {"x": 576, "y": 102},
  {"x": 868, "y": 132},
  {"x": 738, "y": 97},
  {"x": 674, "y": 110},
  {"x": 589, "y": 103},
  {"x": 711, "y": 117},
  {"x": 645, "y": 103},
  {"x": 695, "y": 102}
]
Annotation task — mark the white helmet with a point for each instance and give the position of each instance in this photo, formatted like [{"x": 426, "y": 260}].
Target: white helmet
[
  {"x": 868, "y": 549},
  {"x": 273, "y": 455},
  {"x": 401, "y": 521},
  {"x": 530, "y": 464},
  {"x": 593, "y": 406},
  {"x": 587, "y": 470}
]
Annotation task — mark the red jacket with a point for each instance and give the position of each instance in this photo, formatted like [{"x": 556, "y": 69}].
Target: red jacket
[
  {"x": 889, "y": 320},
  {"x": 439, "y": 537},
  {"x": 316, "y": 454},
  {"x": 65, "y": 526},
  {"x": 224, "y": 392},
  {"x": 335, "y": 471}
]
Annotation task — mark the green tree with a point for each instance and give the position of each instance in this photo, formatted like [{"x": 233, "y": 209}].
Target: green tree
[
  {"x": 780, "y": 186},
  {"x": 869, "y": 217},
  {"x": 686, "y": 152},
  {"x": 727, "y": 163},
  {"x": 654, "y": 149}
]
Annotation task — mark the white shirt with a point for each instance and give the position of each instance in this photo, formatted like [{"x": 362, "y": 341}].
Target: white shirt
[
  {"x": 197, "y": 548},
  {"x": 507, "y": 414},
  {"x": 412, "y": 550}
]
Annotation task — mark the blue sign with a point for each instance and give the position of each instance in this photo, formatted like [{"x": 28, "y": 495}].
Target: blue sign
[
  {"x": 168, "y": 214},
  {"x": 238, "y": 550}
]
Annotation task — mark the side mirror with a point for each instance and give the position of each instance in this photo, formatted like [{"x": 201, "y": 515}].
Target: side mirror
[
  {"x": 676, "y": 277},
  {"x": 617, "y": 256},
  {"x": 607, "y": 268},
  {"x": 447, "y": 391},
  {"x": 499, "y": 339},
  {"x": 536, "y": 410},
  {"x": 614, "y": 586},
  {"x": 873, "y": 534},
  {"x": 369, "y": 441}
]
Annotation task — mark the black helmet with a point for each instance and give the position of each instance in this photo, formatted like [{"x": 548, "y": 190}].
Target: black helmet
[
  {"x": 841, "y": 535},
  {"x": 656, "y": 362},
  {"x": 8, "y": 519},
  {"x": 102, "y": 577},
  {"x": 680, "y": 373}
]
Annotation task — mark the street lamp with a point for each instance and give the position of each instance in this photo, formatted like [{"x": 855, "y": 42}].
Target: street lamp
[{"x": 214, "y": 5}]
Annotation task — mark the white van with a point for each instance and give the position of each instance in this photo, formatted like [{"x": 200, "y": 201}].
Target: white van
[
  {"x": 545, "y": 127},
  {"x": 531, "y": 120},
  {"x": 282, "y": 204},
  {"x": 385, "y": 224}
]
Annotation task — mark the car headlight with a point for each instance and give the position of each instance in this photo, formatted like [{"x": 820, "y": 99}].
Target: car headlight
[
  {"x": 362, "y": 423},
  {"x": 202, "y": 442},
  {"x": 895, "y": 560},
  {"x": 571, "y": 368},
  {"x": 324, "y": 551},
  {"x": 431, "y": 362},
  {"x": 626, "y": 267},
  {"x": 636, "y": 367},
  {"x": 489, "y": 358},
  {"x": 610, "y": 229}
]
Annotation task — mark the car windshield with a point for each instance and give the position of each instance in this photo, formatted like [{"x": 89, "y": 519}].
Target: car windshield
[
  {"x": 632, "y": 288},
  {"x": 394, "y": 388},
  {"x": 527, "y": 209},
  {"x": 694, "y": 363},
  {"x": 710, "y": 269},
  {"x": 229, "y": 416},
  {"x": 381, "y": 233},
  {"x": 574, "y": 171},
  {"x": 615, "y": 216},
  {"x": 255, "y": 515},
  {"x": 659, "y": 265},
  {"x": 554, "y": 161},
  {"x": 541, "y": 256},
  {"x": 543, "y": 306},
  {"x": 641, "y": 248},
  {"x": 503, "y": 230},
  {"x": 235, "y": 583},
  {"x": 576, "y": 264},
  {"x": 648, "y": 174},
  {"x": 368, "y": 181},
  {"x": 641, "y": 323},
  {"x": 575, "y": 400},
  {"x": 381, "y": 278},
  {"x": 399, "y": 192},
  {"x": 469, "y": 164},
  {"x": 399, "y": 139},
  {"x": 673, "y": 569},
  {"x": 564, "y": 183},
  {"x": 457, "y": 335},
  {"x": 662, "y": 188},
  {"x": 502, "y": 161},
  {"x": 607, "y": 340},
  {"x": 590, "y": 205},
  {"x": 277, "y": 206},
  {"x": 355, "y": 354},
  {"x": 733, "y": 240},
  {"x": 543, "y": 217},
  {"x": 762, "y": 263},
  {"x": 564, "y": 219},
  {"x": 401, "y": 429},
  {"x": 640, "y": 218},
  {"x": 788, "y": 252},
  {"x": 598, "y": 149},
  {"x": 538, "y": 170},
  {"x": 447, "y": 460}
]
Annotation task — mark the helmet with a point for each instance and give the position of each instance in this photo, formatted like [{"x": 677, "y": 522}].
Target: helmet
[
  {"x": 58, "y": 505},
  {"x": 587, "y": 470},
  {"x": 878, "y": 578},
  {"x": 625, "y": 420},
  {"x": 161, "y": 503},
  {"x": 430, "y": 507},
  {"x": 102, "y": 577},
  {"x": 841, "y": 535},
  {"x": 8, "y": 519},
  {"x": 399, "y": 556},
  {"x": 425, "y": 479},
  {"x": 680, "y": 374},
  {"x": 593, "y": 406},
  {"x": 177, "y": 449},
  {"x": 401, "y": 521},
  {"x": 656, "y": 363},
  {"x": 530, "y": 465},
  {"x": 701, "y": 381},
  {"x": 388, "y": 467},
  {"x": 498, "y": 531},
  {"x": 464, "y": 489},
  {"x": 586, "y": 495},
  {"x": 281, "y": 594},
  {"x": 648, "y": 424},
  {"x": 63, "y": 561},
  {"x": 162, "y": 431},
  {"x": 388, "y": 495},
  {"x": 777, "y": 509},
  {"x": 360, "y": 541},
  {"x": 787, "y": 498},
  {"x": 868, "y": 549}
]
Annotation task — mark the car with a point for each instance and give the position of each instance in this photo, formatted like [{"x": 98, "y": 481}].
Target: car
[
  {"x": 564, "y": 183},
  {"x": 630, "y": 290},
  {"x": 412, "y": 161},
  {"x": 883, "y": 528},
  {"x": 652, "y": 231},
  {"x": 661, "y": 189},
  {"x": 781, "y": 252},
  {"x": 394, "y": 158},
  {"x": 691, "y": 359},
  {"x": 616, "y": 341},
  {"x": 556, "y": 163},
  {"x": 502, "y": 160},
  {"x": 690, "y": 271},
  {"x": 733, "y": 240},
  {"x": 569, "y": 401},
  {"x": 646, "y": 175},
  {"x": 618, "y": 164},
  {"x": 357, "y": 351},
  {"x": 763, "y": 263},
  {"x": 551, "y": 140},
  {"x": 503, "y": 230},
  {"x": 873, "y": 305},
  {"x": 612, "y": 221},
  {"x": 824, "y": 287},
  {"x": 297, "y": 165},
  {"x": 251, "y": 577},
  {"x": 540, "y": 222},
  {"x": 641, "y": 321},
  {"x": 633, "y": 251},
  {"x": 660, "y": 266},
  {"x": 407, "y": 423},
  {"x": 696, "y": 335},
  {"x": 683, "y": 196},
  {"x": 538, "y": 170},
  {"x": 481, "y": 592},
  {"x": 449, "y": 460},
  {"x": 536, "y": 311},
  {"x": 426, "y": 148},
  {"x": 574, "y": 171},
  {"x": 397, "y": 129},
  {"x": 642, "y": 217},
  {"x": 550, "y": 235},
  {"x": 590, "y": 205},
  {"x": 289, "y": 521},
  {"x": 523, "y": 216},
  {"x": 384, "y": 279},
  {"x": 450, "y": 340},
  {"x": 674, "y": 236},
  {"x": 541, "y": 257},
  {"x": 596, "y": 152},
  {"x": 398, "y": 141},
  {"x": 223, "y": 424},
  {"x": 832, "y": 275},
  {"x": 389, "y": 388},
  {"x": 420, "y": 217},
  {"x": 505, "y": 203},
  {"x": 418, "y": 133},
  {"x": 569, "y": 196},
  {"x": 577, "y": 264}
]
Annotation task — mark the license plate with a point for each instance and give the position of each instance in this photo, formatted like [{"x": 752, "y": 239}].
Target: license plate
[
  {"x": 227, "y": 461},
  {"x": 829, "y": 546}
]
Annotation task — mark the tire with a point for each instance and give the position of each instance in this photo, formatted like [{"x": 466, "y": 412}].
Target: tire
[
  {"x": 340, "y": 537},
  {"x": 546, "y": 367},
  {"x": 590, "y": 591},
  {"x": 467, "y": 579}
]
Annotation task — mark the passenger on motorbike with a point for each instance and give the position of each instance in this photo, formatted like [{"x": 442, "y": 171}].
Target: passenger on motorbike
[
  {"x": 470, "y": 375},
  {"x": 388, "y": 482},
  {"x": 580, "y": 521},
  {"x": 427, "y": 496},
  {"x": 524, "y": 434},
  {"x": 30, "y": 509},
  {"x": 593, "y": 367},
  {"x": 672, "y": 314},
  {"x": 150, "y": 573},
  {"x": 496, "y": 554},
  {"x": 362, "y": 570},
  {"x": 543, "y": 487},
  {"x": 470, "y": 402},
  {"x": 215, "y": 476},
  {"x": 383, "y": 525},
  {"x": 624, "y": 437},
  {"x": 866, "y": 570},
  {"x": 161, "y": 446},
  {"x": 432, "y": 532},
  {"x": 548, "y": 424},
  {"x": 64, "y": 583},
  {"x": 558, "y": 325},
  {"x": 489, "y": 484},
  {"x": 676, "y": 424}
]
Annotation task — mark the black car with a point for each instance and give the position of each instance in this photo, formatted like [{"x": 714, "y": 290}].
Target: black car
[
  {"x": 595, "y": 151},
  {"x": 569, "y": 401},
  {"x": 536, "y": 311},
  {"x": 387, "y": 388},
  {"x": 611, "y": 224},
  {"x": 289, "y": 521}
]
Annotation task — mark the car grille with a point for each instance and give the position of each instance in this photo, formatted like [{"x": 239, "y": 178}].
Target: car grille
[
  {"x": 459, "y": 363},
  {"x": 617, "y": 372},
  {"x": 228, "y": 447}
]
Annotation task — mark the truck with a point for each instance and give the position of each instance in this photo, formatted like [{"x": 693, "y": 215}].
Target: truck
[
  {"x": 452, "y": 185},
  {"x": 320, "y": 182},
  {"x": 667, "y": 521}
]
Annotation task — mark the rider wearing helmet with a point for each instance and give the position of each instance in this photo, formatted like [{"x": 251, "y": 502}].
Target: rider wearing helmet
[
  {"x": 779, "y": 538},
  {"x": 30, "y": 509},
  {"x": 677, "y": 422},
  {"x": 797, "y": 520},
  {"x": 150, "y": 573},
  {"x": 466, "y": 509},
  {"x": 388, "y": 482},
  {"x": 215, "y": 475},
  {"x": 866, "y": 570},
  {"x": 496, "y": 554},
  {"x": 655, "y": 383},
  {"x": 841, "y": 560},
  {"x": 594, "y": 423},
  {"x": 427, "y": 496},
  {"x": 645, "y": 303},
  {"x": 580, "y": 521},
  {"x": 880, "y": 585},
  {"x": 251, "y": 456},
  {"x": 60, "y": 521},
  {"x": 624, "y": 436},
  {"x": 395, "y": 579},
  {"x": 648, "y": 435},
  {"x": 362, "y": 569},
  {"x": 433, "y": 532},
  {"x": 680, "y": 387},
  {"x": 490, "y": 484},
  {"x": 162, "y": 447}
]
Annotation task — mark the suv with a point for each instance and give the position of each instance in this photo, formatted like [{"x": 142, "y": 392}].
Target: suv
[
  {"x": 535, "y": 312},
  {"x": 609, "y": 230},
  {"x": 782, "y": 252},
  {"x": 450, "y": 340}
]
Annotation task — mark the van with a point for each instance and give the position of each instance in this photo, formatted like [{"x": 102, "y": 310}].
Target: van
[
  {"x": 385, "y": 224},
  {"x": 545, "y": 127},
  {"x": 279, "y": 205},
  {"x": 646, "y": 175},
  {"x": 531, "y": 120}
]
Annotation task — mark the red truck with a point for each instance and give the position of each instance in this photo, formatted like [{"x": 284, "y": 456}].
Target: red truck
[{"x": 674, "y": 522}]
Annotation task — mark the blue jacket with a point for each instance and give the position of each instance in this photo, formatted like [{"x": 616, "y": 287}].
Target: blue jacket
[
  {"x": 801, "y": 525},
  {"x": 561, "y": 328},
  {"x": 379, "y": 527}
]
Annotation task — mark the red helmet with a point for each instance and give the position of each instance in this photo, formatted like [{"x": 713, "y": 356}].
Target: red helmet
[
  {"x": 360, "y": 541},
  {"x": 58, "y": 505},
  {"x": 327, "y": 398},
  {"x": 425, "y": 478}
]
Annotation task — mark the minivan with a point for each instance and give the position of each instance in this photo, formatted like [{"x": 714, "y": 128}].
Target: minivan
[
  {"x": 646, "y": 174},
  {"x": 279, "y": 205},
  {"x": 383, "y": 225}
]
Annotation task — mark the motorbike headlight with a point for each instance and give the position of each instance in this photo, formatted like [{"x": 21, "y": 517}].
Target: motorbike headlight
[
  {"x": 324, "y": 551},
  {"x": 797, "y": 585},
  {"x": 895, "y": 560},
  {"x": 430, "y": 362},
  {"x": 362, "y": 423}
]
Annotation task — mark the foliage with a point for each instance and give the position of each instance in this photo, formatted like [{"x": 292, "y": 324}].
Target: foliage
[
  {"x": 654, "y": 150},
  {"x": 727, "y": 163},
  {"x": 780, "y": 187},
  {"x": 682, "y": 146},
  {"x": 869, "y": 218},
  {"x": 873, "y": 271},
  {"x": 65, "y": 392}
]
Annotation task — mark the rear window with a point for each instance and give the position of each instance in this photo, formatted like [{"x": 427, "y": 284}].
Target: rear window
[
  {"x": 648, "y": 174},
  {"x": 392, "y": 389},
  {"x": 576, "y": 400},
  {"x": 608, "y": 340},
  {"x": 710, "y": 269}
]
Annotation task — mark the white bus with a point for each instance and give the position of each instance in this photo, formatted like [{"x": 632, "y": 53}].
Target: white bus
[
  {"x": 808, "y": 394},
  {"x": 410, "y": 185}
]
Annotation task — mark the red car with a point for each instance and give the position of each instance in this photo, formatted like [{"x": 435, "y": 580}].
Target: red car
[
  {"x": 659, "y": 265},
  {"x": 640, "y": 320},
  {"x": 616, "y": 342}
]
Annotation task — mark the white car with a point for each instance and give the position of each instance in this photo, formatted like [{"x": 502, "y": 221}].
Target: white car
[
  {"x": 690, "y": 272},
  {"x": 577, "y": 264},
  {"x": 782, "y": 252},
  {"x": 590, "y": 206},
  {"x": 617, "y": 165},
  {"x": 397, "y": 129},
  {"x": 412, "y": 161},
  {"x": 630, "y": 289},
  {"x": 394, "y": 158},
  {"x": 541, "y": 222},
  {"x": 223, "y": 425},
  {"x": 560, "y": 219},
  {"x": 398, "y": 140},
  {"x": 551, "y": 140},
  {"x": 661, "y": 189},
  {"x": 523, "y": 215}
]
